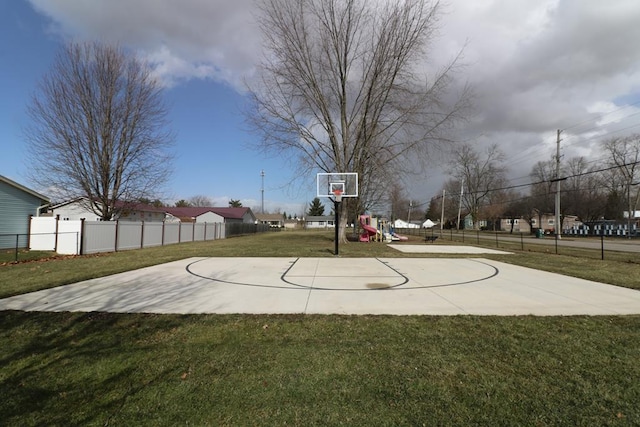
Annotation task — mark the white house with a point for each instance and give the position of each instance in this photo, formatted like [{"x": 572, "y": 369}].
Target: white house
[
  {"x": 323, "y": 221},
  {"x": 78, "y": 208},
  {"x": 210, "y": 214}
]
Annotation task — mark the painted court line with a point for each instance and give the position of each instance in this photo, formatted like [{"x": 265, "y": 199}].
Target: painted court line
[{"x": 399, "y": 286}]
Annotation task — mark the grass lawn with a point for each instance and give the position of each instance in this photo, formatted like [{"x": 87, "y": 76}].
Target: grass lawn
[
  {"x": 137, "y": 369},
  {"x": 165, "y": 370}
]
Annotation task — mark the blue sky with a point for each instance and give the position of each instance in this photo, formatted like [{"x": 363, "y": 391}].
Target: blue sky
[
  {"x": 535, "y": 67},
  {"x": 213, "y": 149}
]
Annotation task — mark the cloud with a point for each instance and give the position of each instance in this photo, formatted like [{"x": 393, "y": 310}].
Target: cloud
[
  {"x": 535, "y": 66},
  {"x": 185, "y": 39},
  {"x": 541, "y": 66}
]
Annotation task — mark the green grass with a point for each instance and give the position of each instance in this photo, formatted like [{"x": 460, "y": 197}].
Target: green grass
[
  {"x": 23, "y": 255},
  {"x": 135, "y": 369},
  {"x": 164, "y": 370}
]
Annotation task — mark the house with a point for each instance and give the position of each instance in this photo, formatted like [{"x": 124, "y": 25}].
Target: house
[
  {"x": 17, "y": 202},
  {"x": 273, "y": 220},
  {"x": 210, "y": 214},
  {"x": 546, "y": 222},
  {"x": 78, "y": 208},
  {"x": 318, "y": 222},
  {"x": 291, "y": 224}
]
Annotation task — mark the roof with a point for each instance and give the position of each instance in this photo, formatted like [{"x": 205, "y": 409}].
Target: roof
[
  {"x": 320, "y": 218},
  {"x": 23, "y": 188},
  {"x": 192, "y": 212},
  {"x": 269, "y": 217},
  {"x": 140, "y": 207}
]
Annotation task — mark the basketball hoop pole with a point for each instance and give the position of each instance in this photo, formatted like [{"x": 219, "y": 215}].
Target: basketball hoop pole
[{"x": 336, "y": 211}]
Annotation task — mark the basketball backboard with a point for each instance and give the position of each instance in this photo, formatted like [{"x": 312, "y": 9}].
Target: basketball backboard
[{"x": 342, "y": 184}]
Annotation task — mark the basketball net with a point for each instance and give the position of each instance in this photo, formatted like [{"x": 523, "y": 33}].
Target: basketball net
[{"x": 338, "y": 195}]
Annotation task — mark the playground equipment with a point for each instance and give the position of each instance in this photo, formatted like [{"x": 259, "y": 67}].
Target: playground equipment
[
  {"x": 368, "y": 229},
  {"x": 378, "y": 230}
]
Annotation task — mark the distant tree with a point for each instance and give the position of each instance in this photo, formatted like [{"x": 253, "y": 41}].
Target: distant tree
[
  {"x": 284, "y": 215},
  {"x": 481, "y": 173},
  {"x": 182, "y": 204},
  {"x": 543, "y": 190},
  {"x": 99, "y": 129},
  {"x": 200, "y": 201},
  {"x": 157, "y": 203},
  {"x": 625, "y": 157},
  {"x": 433, "y": 211},
  {"x": 400, "y": 204},
  {"x": 316, "y": 208},
  {"x": 451, "y": 203},
  {"x": 582, "y": 193},
  {"x": 235, "y": 203},
  {"x": 521, "y": 206}
]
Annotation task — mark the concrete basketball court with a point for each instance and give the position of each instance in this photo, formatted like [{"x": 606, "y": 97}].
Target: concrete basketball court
[{"x": 398, "y": 286}]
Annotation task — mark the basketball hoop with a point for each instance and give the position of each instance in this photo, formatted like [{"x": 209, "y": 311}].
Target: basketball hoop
[{"x": 337, "y": 193}]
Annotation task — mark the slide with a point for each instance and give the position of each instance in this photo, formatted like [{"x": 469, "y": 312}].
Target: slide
[
  {"x": 399, "y": 237},
  {"x": 367, "y": 230}
]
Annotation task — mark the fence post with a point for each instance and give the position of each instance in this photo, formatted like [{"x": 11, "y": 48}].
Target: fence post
[
  {"x": 205, "y": 231},
  {"x": 142, "y": 235},
  {"x": 17, "y": 243},
  {"x": 29, "y": 232},
  {"x": 55, "y": 244},
  {"x": 116, "y": 236},
  {"x": 602, "y": 247},
  {"x": 162, "y": 242},
  {"x": 81, "y": 236},
  {"x": 193, "y": 232}
]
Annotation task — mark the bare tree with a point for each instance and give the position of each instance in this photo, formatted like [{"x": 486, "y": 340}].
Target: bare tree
[
  {"x": 583, "y": 194},
  {"x": 399, "y": 203},
  {"x": 451, "y": 202},
  {"x": 233, "y": 203},
  {"x": 342, "y": 88},
  {"x": 543, "y": 190},
  {"x": 481, "y": 173},
  {"x": 99, "y": 129},
  {"x": 200, "y": 201},
  {"x": 625, "y": 155}
]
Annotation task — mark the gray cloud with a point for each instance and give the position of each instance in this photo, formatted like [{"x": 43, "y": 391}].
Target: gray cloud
[
  {"x": 535, "y": 66},
  {"x": 186, "y": 39}
]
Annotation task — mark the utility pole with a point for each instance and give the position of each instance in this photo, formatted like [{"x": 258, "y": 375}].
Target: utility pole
[
  {"x": 460, "y": 202},
  {"x": 262, "y": 192},
  {"x": 409, "y": 215},
  {"x": 442, "y": 216},
  {"x": 557, "y": 218}
]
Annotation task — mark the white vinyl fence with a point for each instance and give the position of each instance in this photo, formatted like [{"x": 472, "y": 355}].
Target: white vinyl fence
[{"x": 88, "y": 237}]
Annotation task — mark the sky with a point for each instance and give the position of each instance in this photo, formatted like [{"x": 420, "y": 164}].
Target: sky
[{"x": 534, "y": 67}]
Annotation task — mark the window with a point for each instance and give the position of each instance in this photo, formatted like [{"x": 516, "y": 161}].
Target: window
[
  {"x": 551, "y": 221},
  {"x": 320, "y": 222},
  {"x": 534, "y": 221}
]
